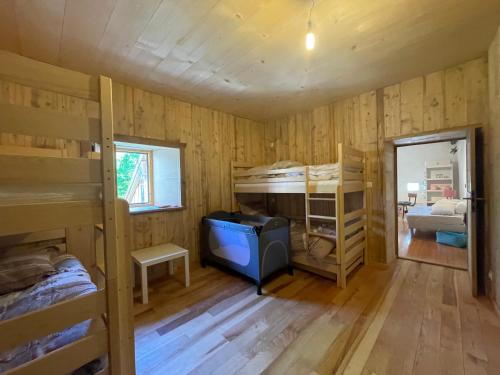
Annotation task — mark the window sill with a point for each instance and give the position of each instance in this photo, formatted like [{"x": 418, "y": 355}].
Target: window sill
[{"x": 152, "y": 209}]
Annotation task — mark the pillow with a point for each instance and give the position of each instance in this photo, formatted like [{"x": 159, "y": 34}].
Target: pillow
[
  {"x": 443, "y": 209},
  {"x": 461, "y": 208},
  {"x": 320, "y": 247},
  {"x": 22, "y": 271}
]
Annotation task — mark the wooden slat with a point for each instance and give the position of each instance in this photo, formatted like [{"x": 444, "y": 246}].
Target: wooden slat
[
  {"x": 353, "y": 186},
  {"x": 322, "y": 199},
  {"x": 349, "y": 229},
  {"x": 28, "y": 238},
  {"x": 353, "y": 158},
  {"x": 323, "y": 187},
  {"x": 353, "y": 265},
  {"x": 49, "y": 170},
  {"x": 354, "y": 214},
  {"x": 280, "y": 187},
  {"x": 36, "y": 74},
  {"x": 321, "y": 217},
  {"x": 349, "y": 163},
  {"x": 351, "y": 176},
  {"x": 32, "y": 151},
  {"x": 356, "y": 238},
  {"x": 39, "y": 122},
  {"x": 116, "y": 251},
  {"x": 55, "y": 318},
  {"x": 68, "y": 358},
  {"x": 348, "y": 150},
  {"x": 354, "y": 252},
  {"x": 17, "y": 219}
]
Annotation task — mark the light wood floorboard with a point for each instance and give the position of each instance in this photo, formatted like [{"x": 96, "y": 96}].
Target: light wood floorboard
[
  {"x": 422, "y": 246},
  {"x": 406, "y": 318}
]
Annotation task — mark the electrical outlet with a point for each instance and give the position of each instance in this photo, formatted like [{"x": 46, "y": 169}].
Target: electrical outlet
[{"x": 369, "y": 184}]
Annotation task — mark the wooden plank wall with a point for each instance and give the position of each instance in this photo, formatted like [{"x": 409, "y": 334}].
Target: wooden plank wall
[
  {"x": 494, "y": 170},
  {"x": 450, "y": 98},
  {"x": 212, "y": 138},
  {"x": 14, "y": 93},
  {"x": 454, "y": 97}
]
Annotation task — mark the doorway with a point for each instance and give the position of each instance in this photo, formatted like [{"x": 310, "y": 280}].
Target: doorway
[
  {"x": 431, "y": 185},
  {"x": 422, "y": 200}
]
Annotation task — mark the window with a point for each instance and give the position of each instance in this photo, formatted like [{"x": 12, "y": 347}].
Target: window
[
  {"x": 149, "y": 176},
  {"x": 133, "y": 177}
]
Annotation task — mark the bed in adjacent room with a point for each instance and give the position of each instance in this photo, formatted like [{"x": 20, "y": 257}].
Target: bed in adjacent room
[{"x": 423, "y": 218}]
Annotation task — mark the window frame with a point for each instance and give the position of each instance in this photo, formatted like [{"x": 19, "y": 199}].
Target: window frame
[
  {"x": 149, "y": 153},
  {"x": 151, "y": 208}
]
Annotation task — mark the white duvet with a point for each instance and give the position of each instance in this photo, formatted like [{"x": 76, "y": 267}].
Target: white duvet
[{"x": 421, "y": 218}]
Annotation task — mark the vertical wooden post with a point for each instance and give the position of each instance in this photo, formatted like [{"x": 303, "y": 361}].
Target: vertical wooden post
[
  {"x": 341, "y": 276},
  {"x": 234, "y": 203},
  {"x": 307, "y": 207},
  {"x": 126, "y": 343},
  {"x": 120, "y": 361},
  {"x": 365, "y": 206}
]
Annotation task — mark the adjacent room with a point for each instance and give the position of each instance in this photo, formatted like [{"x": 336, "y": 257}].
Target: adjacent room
[
  {"x": 431, "y": 187},
  {"x": 249, "y": 187}
]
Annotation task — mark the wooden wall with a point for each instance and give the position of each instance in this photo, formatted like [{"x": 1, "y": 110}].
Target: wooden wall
[
  {"x": 494, "y": 170},
  {"x": 454, "y": 97},
  {"x": 212, "y": 140},
  {"x": 15, "y": 93}
]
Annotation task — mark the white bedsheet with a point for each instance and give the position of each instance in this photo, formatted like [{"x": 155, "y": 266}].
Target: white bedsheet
[{"x": 420, "y": 217}]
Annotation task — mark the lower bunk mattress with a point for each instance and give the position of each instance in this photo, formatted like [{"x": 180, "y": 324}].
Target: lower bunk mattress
[
  {"x": 255, "y": 246},
  {"x": 68, "y": 280}
]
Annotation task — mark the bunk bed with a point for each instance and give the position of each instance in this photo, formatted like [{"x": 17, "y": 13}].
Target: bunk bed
[
  {"x": 53, "y": 199},
  {"x": 340, "y": 185}
]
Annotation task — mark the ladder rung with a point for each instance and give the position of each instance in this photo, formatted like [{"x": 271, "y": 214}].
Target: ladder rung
[
  {"x": 322, "y": 199},
  {"x": 320, "y": 217},
  {"x": 322, "y": 235}
]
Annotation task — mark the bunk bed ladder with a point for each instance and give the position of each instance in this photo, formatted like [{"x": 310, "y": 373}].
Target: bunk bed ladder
[{"x": 310, "y": 215}]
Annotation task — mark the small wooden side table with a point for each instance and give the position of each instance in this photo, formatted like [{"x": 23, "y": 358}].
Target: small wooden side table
[{"x": 159, "y": 254}]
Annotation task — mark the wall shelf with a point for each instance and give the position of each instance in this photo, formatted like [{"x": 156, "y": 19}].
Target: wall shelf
[{"x": 438, "y": 173}]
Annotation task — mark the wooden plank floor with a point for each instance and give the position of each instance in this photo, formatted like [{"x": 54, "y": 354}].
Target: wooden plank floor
[
  {"x": 422, "y": 246},
  {"x": 407, "y": 318}
]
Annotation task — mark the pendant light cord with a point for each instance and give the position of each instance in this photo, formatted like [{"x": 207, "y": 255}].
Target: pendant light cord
[{"x": 309, "y": 23}]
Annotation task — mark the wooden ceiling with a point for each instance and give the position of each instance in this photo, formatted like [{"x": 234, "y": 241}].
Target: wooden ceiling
[{"x": 248, "y": 57}]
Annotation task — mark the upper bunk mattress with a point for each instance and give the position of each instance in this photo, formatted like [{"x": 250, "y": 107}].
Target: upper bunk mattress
[
  {"x": 420, "y": 217},
  {"x": 320, "y": 172}
]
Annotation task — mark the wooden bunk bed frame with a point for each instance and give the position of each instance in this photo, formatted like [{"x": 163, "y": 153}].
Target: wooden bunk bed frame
[
  {"x": 351, "y": 226},
  {"x": 57, "y": 211}
]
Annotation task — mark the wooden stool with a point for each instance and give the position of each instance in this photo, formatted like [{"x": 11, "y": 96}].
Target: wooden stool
[{"x": 159, "y": 254}]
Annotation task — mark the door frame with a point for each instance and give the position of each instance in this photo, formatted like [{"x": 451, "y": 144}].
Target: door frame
[{"x": 390, "y": 184}]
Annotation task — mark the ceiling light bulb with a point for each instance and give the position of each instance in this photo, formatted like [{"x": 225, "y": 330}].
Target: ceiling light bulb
[{"x": 310, "y": 41}]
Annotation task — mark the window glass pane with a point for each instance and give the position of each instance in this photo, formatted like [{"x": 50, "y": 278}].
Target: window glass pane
[{"x": 132, "y": 176}]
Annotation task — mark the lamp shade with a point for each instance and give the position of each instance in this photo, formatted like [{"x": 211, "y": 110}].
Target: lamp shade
[{"x": 413, "y": 186}]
